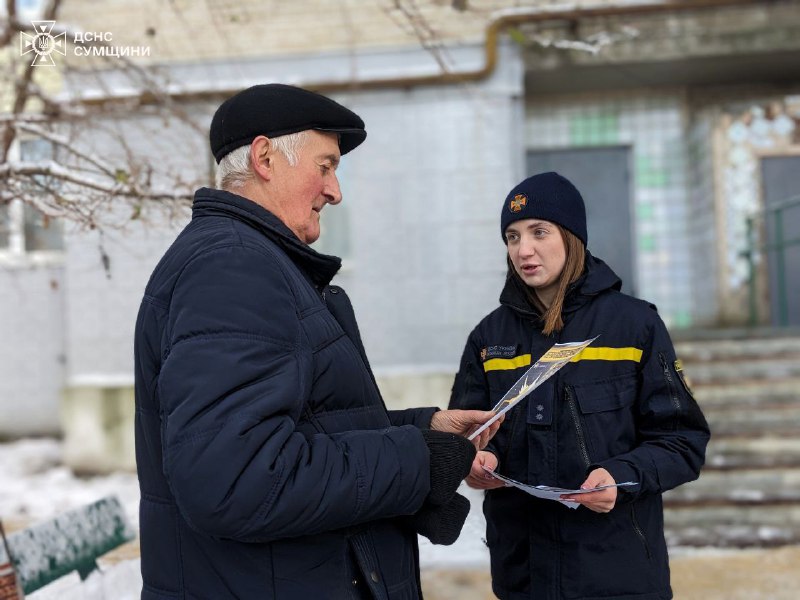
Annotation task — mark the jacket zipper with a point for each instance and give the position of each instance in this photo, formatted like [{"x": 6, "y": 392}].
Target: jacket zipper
[
  {"x": 573, "y": 409},
  {"x": 676, "y": 402},
  {"x": 639, "y": 532}
]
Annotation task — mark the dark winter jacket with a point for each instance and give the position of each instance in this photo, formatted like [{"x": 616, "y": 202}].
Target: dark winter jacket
[
  {"x": 268, "y": 464},
  {"x": 623, "y": 405}
]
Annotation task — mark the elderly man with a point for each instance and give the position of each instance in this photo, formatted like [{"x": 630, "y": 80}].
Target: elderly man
[{"x": 268, "y": 464}]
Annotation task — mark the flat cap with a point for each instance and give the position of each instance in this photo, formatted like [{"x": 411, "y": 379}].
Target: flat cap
[{"x": 275, "y": 109}]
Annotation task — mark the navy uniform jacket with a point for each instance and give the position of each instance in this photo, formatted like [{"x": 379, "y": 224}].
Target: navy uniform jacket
[
  {"x": 623, "y": 405},
  {"x": 268, "y": 464}
]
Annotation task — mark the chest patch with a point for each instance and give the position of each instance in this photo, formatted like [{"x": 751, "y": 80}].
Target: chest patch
[{"x": 499, "y": 351}]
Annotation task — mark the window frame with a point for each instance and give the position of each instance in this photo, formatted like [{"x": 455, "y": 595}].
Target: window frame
[{"x": 14, "y": 253}]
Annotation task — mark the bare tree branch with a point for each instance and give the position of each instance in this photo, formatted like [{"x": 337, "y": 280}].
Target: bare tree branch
[
  {"x": 427, "y": 35},
  {"x": 79, "y": 182},
  {"x": 61, "y": 173},
  {"x": 82, "y": 180}
]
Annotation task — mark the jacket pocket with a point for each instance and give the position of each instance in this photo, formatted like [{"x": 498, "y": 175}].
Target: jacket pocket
[
  {"x": 607, "y": 413},
  {"x": 161, "y": 568},
  {"x": 607, "y": 556}
]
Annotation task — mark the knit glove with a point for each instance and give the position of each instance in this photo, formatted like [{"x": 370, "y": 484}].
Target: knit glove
[
  {"x": 451, "y": 458},
  {"x": 442, "y": 524}
]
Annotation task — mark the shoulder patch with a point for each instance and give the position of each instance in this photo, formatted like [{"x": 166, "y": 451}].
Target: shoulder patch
[{"x": 678, "y": 365}]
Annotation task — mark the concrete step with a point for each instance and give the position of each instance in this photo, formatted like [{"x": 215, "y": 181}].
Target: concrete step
[
  {"x": 747, "y": 393},
  {"x": 744, "y": 357},
  {"x": 754, "y": 370},
  {"x": 741, "y": 488},
  {"x": 702, "y": 350},
  {"x": 755, "y": 421},
  {"x": 749, "y": 491},
  {"x": 735, "y": 526},
  {"x": 767, "y": 451}
]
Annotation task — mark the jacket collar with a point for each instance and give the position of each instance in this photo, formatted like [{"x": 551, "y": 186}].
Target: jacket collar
[
  {"x": 597, "y": 278},
  {"x": 319, "y": 267}
]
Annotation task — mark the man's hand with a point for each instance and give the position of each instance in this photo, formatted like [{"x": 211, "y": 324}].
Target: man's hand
[
  {"x": 478, "y": 478},
  {"x": 464, "y": 422},
  {"x": 600, "y": 502}
]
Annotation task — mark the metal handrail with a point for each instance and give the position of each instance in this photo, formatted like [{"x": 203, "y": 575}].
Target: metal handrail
[{"x": 779, "y": 245}]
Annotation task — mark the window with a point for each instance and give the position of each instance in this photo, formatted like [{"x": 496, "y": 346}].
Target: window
[
  {"x": 23, "y": 229},
  {"x": 335, "y": 232},
  {"x": 29, "y": 9},
  {"x": 335, "y": 224}
]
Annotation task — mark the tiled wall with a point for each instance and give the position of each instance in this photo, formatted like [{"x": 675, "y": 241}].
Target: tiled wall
[
  {"x": 424, "y": 259},
  {"x": 422, "y": 200},
  {"x": 653, "y": 126},
  {"x": 702, "y": 225},
  {"x": 31, "y": 349}
]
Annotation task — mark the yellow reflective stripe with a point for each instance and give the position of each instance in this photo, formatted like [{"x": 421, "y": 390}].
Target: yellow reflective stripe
[
  {"x": 634, "y": 354},
  {"x": 524, "y": 360},
  {"x": 504, "y": 364}
]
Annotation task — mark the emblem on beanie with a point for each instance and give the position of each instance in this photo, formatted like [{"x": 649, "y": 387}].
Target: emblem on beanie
[{"x": 518, "y": 202}]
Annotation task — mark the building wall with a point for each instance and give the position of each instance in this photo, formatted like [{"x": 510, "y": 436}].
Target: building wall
[
  {"x": 182, "y": 30},
  {"x": 102, "y": 302},
  {"x": 418, "y": 230},
  {"x": 105, "y": 273},
  {"x": 423, "y": 260},
  {"x": 425, "y": 201},
  {"x": 703, "y": 227},
  {"x": 750, "y": 127},
  {"x": 104, "y": 280},
  {"x": 652, "y": 124},
  {"x": 106, "y": 269},
  {"x": 31, "y": 348}
]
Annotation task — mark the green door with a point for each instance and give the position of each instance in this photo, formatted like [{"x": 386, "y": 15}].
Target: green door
[{"x": 781, "y": 190}]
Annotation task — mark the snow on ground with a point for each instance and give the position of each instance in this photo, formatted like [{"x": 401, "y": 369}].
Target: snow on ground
[{"x": 36, "y": 486}]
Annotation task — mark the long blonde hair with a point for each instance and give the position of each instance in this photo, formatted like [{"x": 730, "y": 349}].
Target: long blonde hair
[{"x": 573, "y": 269}]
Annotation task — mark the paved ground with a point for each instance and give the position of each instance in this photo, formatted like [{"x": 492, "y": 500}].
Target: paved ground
[
  {"x": 711, "y": 574},
  {"x": 696, "y": 575},
  {"x": 34, "y": 485}
]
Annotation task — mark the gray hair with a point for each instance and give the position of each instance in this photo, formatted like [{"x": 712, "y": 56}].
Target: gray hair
[{"x": 235, "y": 170}]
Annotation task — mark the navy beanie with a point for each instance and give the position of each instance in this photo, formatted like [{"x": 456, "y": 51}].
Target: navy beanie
[
  {"x": 547, "y": 196},
  {"x": 276, "y": 109}
]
